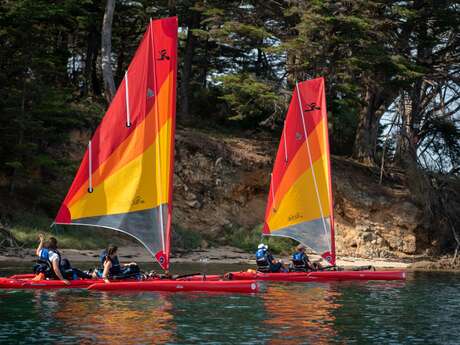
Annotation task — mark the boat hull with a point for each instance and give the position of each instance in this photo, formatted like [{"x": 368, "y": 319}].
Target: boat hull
[
  {"x": 238, "y": 286},
  {"x": 12, "y": 283},
  {"x": 318, "y": 276}
]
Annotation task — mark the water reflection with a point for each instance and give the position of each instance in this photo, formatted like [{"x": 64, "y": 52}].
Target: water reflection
[
  {"x": 300, "y": 313},
  {"x": 114, "y": 318}
]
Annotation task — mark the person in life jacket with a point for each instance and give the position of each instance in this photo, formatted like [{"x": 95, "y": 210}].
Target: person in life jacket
[
  {"x": 300, "y": 261},
  {"x": 51, "y": 265},
  {"x": 110, "y": 266},
  {"x": 49, "y": 259},
  {"x": 266, "y": 262}
]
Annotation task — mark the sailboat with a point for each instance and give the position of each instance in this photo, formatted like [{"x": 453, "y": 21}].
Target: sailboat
[
  {"x": 300, "y": 204},
  {"x": 125, "y": 180}
]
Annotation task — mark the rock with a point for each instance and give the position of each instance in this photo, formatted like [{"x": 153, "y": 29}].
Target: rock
[{"x": 194, "y": 204}]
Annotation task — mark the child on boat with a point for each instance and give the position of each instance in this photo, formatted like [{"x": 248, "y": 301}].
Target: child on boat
[
  {"x": 110, "y": 266},
  {"x": 301, "y": 262},
  {"x": 51, "y": 265}
]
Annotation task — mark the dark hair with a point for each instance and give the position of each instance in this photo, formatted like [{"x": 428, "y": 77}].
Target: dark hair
[
  {"x": 51, "y": 243},
  {"x": 111, "y": 249}
]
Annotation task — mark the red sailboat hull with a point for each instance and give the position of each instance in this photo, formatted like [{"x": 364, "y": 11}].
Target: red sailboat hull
[
  {"x": 11, "y": 283},
  {"x": 239, "y": 286},
  {"x": 319, "y": 276}
]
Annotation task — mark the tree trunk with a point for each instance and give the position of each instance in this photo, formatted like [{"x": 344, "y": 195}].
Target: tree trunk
[
  {"x": 367, "y": 131},
  {"x": 106, "y": 51},
  {"x": 172, "y": 7},
  {"x": 91, "y": 54},
  {"x": 187, "y": 67}
]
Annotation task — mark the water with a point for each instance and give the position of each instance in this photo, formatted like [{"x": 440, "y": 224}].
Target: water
[{"x": 423, "y": 310}]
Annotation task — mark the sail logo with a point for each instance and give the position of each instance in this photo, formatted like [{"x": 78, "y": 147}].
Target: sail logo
[
  {"x": 295, "y": 216},
  {"x": 298, "y": 136},
  {"x": 150, "y": 93},
  {"x": 311, "y": 106},
  {"x": 163, "y": 55},
  {"x": 138, "y": 200}
]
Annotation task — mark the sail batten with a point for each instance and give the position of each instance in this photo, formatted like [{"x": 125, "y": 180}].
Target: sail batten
[
  {"x": 129, "y": 164},
  {"x": 300, "y": 186}
]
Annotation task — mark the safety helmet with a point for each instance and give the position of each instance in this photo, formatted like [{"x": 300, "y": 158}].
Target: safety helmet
[{"x": 261, "y": 246}]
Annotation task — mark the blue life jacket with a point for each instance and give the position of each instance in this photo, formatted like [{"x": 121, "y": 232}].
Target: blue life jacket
[
  {"x": 262, "y": 257},
  {"x": 300, "y": 261},
  {"x": 44, "y": 264},
  {"x": 298, "y": 256}
]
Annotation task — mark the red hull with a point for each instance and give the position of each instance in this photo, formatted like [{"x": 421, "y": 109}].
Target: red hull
[
  {"x": 211, "y": 277},
  {"x": 9, "y": 283},
  {"x": 319, "y": 276},
  {"x": 179, "y": 286}
]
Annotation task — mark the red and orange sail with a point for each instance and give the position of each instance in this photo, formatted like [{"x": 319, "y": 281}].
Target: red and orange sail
[
  {"x": 300, "y": 198},
  {"x": 124, "y": 182}
]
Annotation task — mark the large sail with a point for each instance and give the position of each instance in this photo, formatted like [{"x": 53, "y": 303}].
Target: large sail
[
  {"x": 124, "y": 182},
  {"x": 300, "y": 198}
]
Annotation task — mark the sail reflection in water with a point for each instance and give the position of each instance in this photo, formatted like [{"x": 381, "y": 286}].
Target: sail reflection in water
[
  {"x": 298, "y": 315},
  {"x": 116, "y": 319}
]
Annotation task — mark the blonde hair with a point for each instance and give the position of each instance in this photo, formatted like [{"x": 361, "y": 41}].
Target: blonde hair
[{"x": 300, "y": 247}]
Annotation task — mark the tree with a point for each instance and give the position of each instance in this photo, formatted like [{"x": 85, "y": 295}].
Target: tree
[{"x": 106, "y": 51}]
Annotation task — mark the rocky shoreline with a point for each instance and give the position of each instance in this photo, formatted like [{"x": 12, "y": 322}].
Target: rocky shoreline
[{"x": 232, "y": 255}]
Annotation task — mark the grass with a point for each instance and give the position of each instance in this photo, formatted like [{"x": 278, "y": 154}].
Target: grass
[
  {"x": 27, "y": 227},
  {"x": 185, "y": 239},
  {"x": 248, "y": 240}
]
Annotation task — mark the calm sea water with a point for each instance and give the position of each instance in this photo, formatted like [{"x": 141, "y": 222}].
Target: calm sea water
[{"x": 423, "y": 310}]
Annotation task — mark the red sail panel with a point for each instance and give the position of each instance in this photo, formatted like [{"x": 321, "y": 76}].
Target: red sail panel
[
  {"x": 300, "y": 204},
  {"x": 125, "y": 179}
]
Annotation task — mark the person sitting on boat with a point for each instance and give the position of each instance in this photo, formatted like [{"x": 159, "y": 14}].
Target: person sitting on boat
[
  {"x": 110, "y": 266},
  {"x": 266, "y": 262},
  {"x": 300, "y": 261},
  {"x": 50, "y": 265}
]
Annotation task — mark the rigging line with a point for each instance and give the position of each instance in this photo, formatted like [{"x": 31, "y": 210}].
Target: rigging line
[
  {"x": 128, "y": 111},
  {"x": 312, "y": 167},
  {"x": 285, "y": 145},
  {"x": 90, "y": 168},
  {"x": 273, "y": 192},
  {"x": 157, "y": 110}
]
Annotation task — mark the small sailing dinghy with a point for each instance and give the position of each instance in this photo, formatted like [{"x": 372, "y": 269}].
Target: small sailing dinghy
[
  {"x": 300, "y": 203},
  {"x": 125, "y": 179}
]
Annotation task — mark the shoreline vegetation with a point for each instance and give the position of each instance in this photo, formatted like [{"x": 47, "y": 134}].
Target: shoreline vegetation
[
  {"x": 233, "y": 255},
  {"x": 83, "y": 245}
]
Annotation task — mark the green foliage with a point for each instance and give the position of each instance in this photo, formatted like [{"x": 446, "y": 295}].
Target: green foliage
[
  {"x": 185, "y": 239},
  {"x": 247, "y": 97},
  {"x": 248, "y": 240}
]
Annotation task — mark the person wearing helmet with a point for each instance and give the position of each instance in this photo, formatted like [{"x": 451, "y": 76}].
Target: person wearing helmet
[{"x": 266, "y": 262}]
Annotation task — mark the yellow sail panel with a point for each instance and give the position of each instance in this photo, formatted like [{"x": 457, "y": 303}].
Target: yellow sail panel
[
  {"x": 131, "y": 188},
  {"x": 297, "y": 205}
]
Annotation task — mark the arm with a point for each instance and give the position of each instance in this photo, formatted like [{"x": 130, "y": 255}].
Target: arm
[
  {"x": 57, "y": 271},
  {"x": 105, "y": 273},
  {"x": 40, "y": 245}
]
